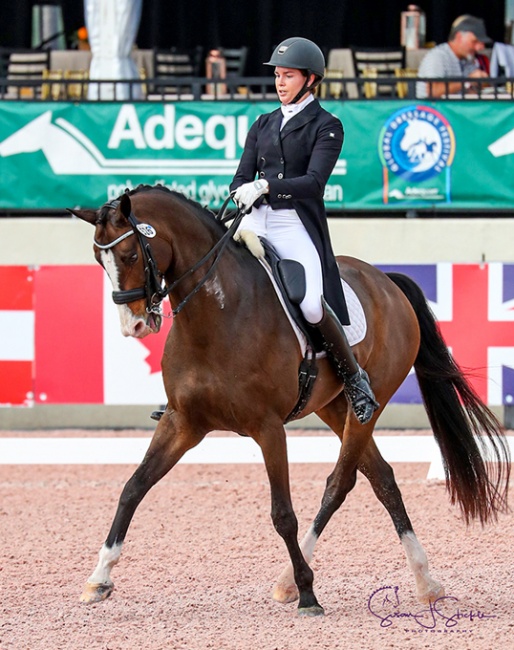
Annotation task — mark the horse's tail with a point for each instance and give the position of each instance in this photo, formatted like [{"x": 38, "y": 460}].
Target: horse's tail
[{"x": 476, "y": 456}]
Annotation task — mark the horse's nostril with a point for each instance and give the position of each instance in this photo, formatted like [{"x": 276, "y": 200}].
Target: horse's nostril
[{"x": 139, "y": 328}]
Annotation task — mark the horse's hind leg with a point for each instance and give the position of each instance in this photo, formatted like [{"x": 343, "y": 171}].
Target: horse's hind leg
[
  {"x": 381, "y": 477},
  {"x": 168, "y": 445},
  {"x": 340, "y": 482},
  {"x": 273, "y": 445}
]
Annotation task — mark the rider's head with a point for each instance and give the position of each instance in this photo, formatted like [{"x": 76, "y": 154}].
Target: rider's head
[{"x": 300, "y": 54}]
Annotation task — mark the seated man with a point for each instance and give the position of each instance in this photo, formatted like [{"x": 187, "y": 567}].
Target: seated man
[{"x": 456, "y": 58}]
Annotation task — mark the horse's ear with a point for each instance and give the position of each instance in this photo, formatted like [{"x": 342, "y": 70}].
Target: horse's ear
[
  {"x": 91, "y": 216},
  {"x": 125, "y": 205}
]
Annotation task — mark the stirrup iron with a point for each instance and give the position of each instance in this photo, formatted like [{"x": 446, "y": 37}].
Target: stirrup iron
[{"x": 359, "y": 393}]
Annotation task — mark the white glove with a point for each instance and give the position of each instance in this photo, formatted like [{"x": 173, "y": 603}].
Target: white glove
[{"x": 246, "y": 195}]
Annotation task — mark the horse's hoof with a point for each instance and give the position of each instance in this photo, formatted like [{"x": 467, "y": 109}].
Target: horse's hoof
[
  {"x": 285, "y": 593},
  {"x": 435, "y": 591},
  {"x": 94, "y": 593},
  {"x": 315, "y": 610}
]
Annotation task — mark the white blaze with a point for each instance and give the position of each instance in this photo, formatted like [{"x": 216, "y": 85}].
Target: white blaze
[{"x": 127, "y": 319}]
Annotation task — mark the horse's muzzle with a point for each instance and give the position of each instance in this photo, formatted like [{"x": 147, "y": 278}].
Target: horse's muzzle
[{"x": 139, "y": 327}]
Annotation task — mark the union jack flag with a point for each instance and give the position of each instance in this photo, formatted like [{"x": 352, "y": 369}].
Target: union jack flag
[{"x": 474, "y": 305}]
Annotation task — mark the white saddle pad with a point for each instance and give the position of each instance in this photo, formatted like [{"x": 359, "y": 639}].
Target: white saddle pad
[{"x": 355, "y": 332}]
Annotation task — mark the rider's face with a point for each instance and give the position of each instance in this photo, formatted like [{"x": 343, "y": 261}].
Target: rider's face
[{"x": 288, "y": 83}]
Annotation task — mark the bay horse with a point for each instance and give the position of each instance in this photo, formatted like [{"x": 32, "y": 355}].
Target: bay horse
[{"x": 231, "y": 363}]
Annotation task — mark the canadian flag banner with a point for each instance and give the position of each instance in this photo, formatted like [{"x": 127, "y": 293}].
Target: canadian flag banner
[
  {"x": 131, "y": 367},
  {"x": 61, "y": 342},
  {"x": 69, "y": 335}
]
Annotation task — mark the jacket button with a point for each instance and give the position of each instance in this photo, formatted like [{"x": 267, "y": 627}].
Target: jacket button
[
  {"x": 279, "y": 196},
  {"x": 281, "y": 175},
  {"x": 262, "y": 174},
  {"x": 282, "y": 160},
  {"x": 263, "y": 159}
]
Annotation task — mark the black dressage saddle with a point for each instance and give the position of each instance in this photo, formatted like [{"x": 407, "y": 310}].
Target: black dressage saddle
[{"x": 290, "y": 278}]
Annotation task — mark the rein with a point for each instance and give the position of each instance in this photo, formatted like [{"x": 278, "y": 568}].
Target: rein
[
  {"x": 153, "y": 290},
  {"x": 219, "y": 247}
]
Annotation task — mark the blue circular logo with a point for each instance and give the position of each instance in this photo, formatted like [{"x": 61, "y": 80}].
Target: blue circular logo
[{"x": 417, "y": 143}]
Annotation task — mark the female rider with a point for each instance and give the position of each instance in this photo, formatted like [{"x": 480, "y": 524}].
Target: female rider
[{"x": 293, "y": 151}]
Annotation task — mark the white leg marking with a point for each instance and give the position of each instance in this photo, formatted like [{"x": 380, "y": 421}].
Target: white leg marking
[
  {"x": 427, "y": 588},
  {"x": 108, "y": 557},
  {"x": 285, "y": 589},
  {"x": 308, "y": 543}
]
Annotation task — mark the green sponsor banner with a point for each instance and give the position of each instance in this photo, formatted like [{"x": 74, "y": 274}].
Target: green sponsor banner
[
  {"x": 449, "y": 154},
  {"x": 397, "y": 154}
]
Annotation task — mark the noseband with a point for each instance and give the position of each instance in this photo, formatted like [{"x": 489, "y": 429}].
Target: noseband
[{"x": 154, "y": 289}]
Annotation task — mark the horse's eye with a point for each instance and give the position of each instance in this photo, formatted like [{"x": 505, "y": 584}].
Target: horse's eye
[{"x": 130, "y": 259}]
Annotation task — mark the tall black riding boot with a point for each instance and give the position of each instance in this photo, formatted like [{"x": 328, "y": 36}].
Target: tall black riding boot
[{"x": 357, "y": 387}]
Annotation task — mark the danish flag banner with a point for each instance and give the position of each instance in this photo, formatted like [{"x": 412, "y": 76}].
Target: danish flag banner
[{"x": 61, "y": 341}]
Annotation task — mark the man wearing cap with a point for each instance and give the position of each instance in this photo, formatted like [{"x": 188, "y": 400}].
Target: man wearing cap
[{"x": 456, "y": 58}]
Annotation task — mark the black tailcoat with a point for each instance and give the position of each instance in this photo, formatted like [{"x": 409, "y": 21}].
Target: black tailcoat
[{"x": 297, "y": 163}]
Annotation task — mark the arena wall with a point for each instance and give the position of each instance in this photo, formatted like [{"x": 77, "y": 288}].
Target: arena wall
[
  {"x": 376, "y": 240},
  {"x": 35, "y": 241}
]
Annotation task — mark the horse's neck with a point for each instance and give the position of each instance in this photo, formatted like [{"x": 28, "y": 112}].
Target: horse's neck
[{"x": 192, "y": 238}]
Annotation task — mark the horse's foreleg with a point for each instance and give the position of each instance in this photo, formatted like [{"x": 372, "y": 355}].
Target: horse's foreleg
[
  {"x": 381, "y": 477},
  {"x": 284, "y": 519},
  {"x": 168, "y": 445}
]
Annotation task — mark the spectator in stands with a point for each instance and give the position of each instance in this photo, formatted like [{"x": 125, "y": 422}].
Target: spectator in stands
[{"x": 456, "y": 58}]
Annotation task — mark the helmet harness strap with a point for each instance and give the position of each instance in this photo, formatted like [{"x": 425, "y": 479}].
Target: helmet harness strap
[{"x": 306, "y": 87}]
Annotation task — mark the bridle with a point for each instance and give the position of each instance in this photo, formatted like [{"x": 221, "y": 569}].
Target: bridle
[{"x": 155, "y": 289}]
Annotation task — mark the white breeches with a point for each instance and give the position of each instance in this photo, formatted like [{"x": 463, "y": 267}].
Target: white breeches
[{"x": 284, "y": 229}]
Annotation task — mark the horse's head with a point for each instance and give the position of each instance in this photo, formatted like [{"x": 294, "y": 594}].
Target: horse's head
[{"x": 121, "y": 246}]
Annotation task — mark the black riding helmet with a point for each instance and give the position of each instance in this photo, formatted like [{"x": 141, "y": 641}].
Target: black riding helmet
[{"x": 300, "y": 54}]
